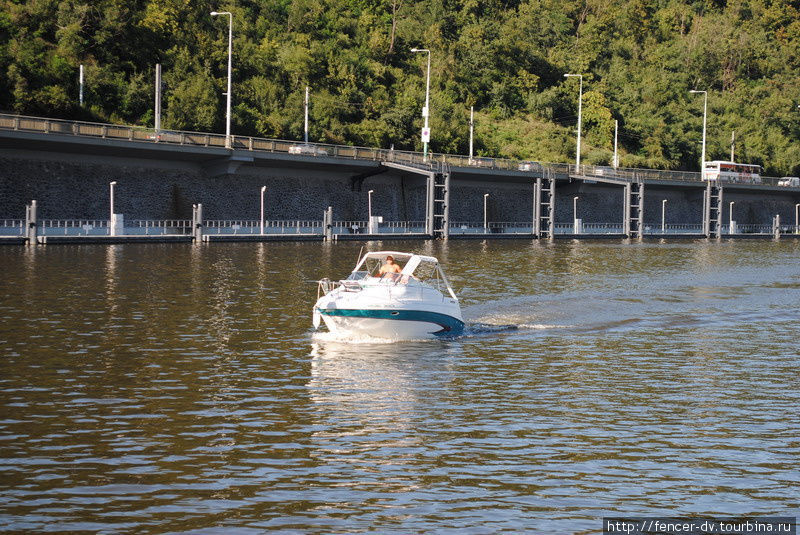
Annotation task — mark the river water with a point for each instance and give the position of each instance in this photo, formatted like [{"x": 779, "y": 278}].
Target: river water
[{"x": 172, "y": 388}]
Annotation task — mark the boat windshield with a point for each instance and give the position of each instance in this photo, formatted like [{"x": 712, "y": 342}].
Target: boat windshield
[
  {"x": 358, "y": 275},
  {"x": 415, "y": 270},
  {"x": 373, "y": 266}
]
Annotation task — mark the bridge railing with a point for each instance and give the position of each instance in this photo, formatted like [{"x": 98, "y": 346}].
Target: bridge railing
[{"x": 433, "y": 161}]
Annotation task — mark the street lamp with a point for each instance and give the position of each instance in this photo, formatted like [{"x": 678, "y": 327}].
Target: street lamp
[
  {"x": 796, "y": 218},
  {"x": 263, "y": 189},
  {"x": 471, "y": 130},
  {"x": 230, "y": 55},
  {"x": 111, "y": 227},
  {"x": 485, "y": 213},
  {"x": 705, "y": 114},
  {"x": 575, "y": 229},
  {"x": 580, "y": 107},
  {"x": 663, "y": 216},
  {"x": 111, "y": 196},
  {"x": 426, "y": 111}
]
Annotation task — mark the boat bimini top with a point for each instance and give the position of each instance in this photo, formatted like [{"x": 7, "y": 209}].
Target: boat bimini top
[{"x": 415, "y": 269}]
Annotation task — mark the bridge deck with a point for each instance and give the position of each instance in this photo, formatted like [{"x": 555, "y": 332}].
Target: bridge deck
[{"x": 209, "y": 150}]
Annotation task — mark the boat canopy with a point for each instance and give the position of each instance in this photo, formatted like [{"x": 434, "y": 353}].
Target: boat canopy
[{"x": 424, "y": 268}]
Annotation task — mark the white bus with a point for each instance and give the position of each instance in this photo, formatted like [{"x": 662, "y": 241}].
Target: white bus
[{"x": 732, "y": 172}]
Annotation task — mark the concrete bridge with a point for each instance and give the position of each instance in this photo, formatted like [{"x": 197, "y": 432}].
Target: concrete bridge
[{"x": 68, "y": 164}]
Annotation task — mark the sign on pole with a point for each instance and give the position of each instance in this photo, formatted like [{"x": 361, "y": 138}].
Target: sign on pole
[{"x": 426, "y": 135}]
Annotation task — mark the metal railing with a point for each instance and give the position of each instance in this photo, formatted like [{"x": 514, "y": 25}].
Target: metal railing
[
  {"x": 12, "y": 227},
  {"x": 236, "y": 227},
  {"x": 313, "y": 150},
  {"x": 589, "y": 228},
  {"x": 674, "y": 228},
  {"x": 73, "y": 227},
  {"x": 157, "y": 227},
  {"x": 751, "y": 229}
]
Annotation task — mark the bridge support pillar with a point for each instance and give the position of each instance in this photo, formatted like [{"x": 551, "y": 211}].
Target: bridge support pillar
[
  {"x": 197, "y": 223},
  {"x": 31, "y": 223},
  {"x": 327, "y": 224}
]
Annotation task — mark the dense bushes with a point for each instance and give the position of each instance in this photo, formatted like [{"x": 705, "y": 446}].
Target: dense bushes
[{"x": 507, "y": 58}]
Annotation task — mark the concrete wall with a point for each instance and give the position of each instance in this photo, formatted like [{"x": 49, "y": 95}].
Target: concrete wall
[
  {"x": 76, "y": 187},
  {"x": 67, "y": 188}
]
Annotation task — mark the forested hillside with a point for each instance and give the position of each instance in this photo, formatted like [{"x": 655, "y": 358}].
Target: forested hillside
[{"x": 507, "y": 58}]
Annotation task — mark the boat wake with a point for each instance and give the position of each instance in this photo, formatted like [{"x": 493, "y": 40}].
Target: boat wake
[{"x": 471, "y": 330}]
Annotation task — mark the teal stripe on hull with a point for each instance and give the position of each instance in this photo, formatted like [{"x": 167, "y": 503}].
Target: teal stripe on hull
[{"x": 450, "y": 325}]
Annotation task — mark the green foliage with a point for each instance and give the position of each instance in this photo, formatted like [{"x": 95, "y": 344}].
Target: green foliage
[{"x": 507, "y": 58}]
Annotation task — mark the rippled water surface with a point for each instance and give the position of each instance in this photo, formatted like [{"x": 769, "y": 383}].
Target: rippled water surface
[{"x": 171, "y": 388}]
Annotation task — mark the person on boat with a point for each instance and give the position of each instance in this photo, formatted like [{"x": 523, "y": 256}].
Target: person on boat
[{"x": 389, "y": 269}]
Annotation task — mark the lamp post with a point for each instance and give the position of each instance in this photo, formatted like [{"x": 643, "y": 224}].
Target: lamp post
[
  {"x": 305, "y": 137},
  {"x": 705, "y": 114},
  {"x": 426, "y": 111},
  {"x": 230, "y": 56},
  {"x": 471, "y": 129},
  {"x": 111, "y": 196},
  {"x": 485, "y": 213},
  {"x": 575, "y": 228},
  {"x": 112, "y": 221},
  {"x": 796, "y": 218},
  {"x": 263, "y": 190},
  {"x": 80, "y": 86},
  {"x": 370, "y": 224},
  {"x": 580, "y": 107},
  {"x": 663, "y": 216}
]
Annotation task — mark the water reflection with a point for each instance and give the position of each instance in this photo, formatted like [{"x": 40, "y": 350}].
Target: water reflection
[{"x": 172, "y": 388}]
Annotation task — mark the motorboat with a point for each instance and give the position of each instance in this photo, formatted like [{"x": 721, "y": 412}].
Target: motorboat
[{"x": 416, "y": 303}]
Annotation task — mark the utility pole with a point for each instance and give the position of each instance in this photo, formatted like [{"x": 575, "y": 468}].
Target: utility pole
[
  {"x": 616, "y": 130},
  {"x": 80, "y": 86},
  {"x": 426, "y": 111},
  {"x": 705, "y": 115},
  {"x": 733, "y": 143},
  {"x": 580, "y": 109},
  {"x": 306, "y": 122},
  {"x": 471, "y": 127},
  {"x": 158, "y": 99},
  {"x": 230, "y": 62}
]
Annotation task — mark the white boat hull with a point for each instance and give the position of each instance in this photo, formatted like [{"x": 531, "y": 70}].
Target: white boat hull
[{"x": 393, "y": 329}]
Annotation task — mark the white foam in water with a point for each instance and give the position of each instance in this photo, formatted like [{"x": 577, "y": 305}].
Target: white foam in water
[{"x": 541, "y": 326}]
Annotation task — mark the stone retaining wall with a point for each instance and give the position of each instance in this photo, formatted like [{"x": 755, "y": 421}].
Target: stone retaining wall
[{"x": 77, "y": 187}]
